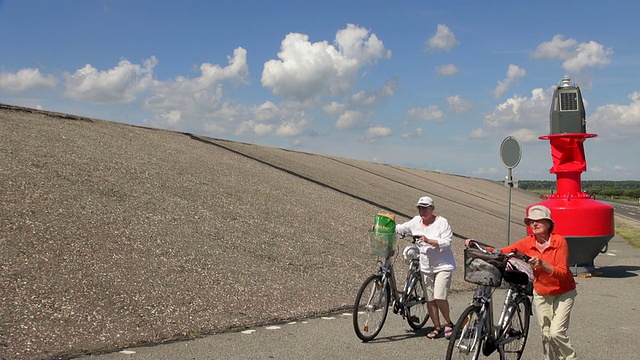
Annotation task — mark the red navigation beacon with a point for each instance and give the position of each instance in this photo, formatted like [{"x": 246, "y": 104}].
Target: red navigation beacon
[{"x": 587, "y": 224}]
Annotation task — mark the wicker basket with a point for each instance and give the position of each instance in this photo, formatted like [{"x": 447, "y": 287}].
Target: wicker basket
[
  {"x": 382, "y": 244},
  {"x": 483, "y": 269}
]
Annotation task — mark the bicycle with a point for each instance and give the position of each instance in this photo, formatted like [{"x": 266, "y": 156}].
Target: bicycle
[
  {"x": 378, "y": 290},
  {"x": 475, "y": 330}
]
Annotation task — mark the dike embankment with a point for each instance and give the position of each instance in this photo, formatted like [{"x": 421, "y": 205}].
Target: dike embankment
[{"x": 113, "y": 235}]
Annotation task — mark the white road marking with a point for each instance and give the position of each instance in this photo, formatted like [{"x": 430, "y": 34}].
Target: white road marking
[{"x": 276, "y": 327}]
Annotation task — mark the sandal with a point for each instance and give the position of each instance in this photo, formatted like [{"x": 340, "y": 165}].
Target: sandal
[
  {"x": 435, "y": 333},
  {"x": 448, "y": 330}
]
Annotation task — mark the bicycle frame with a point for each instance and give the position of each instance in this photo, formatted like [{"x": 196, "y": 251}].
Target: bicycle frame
[
  {"x": 413, "y": 278},
  {"x": 485, "y": 334},
  {"x": 388, "y": 276},
  {"x": 380, "y": 289},
  {"x": 483, "y": 297}
]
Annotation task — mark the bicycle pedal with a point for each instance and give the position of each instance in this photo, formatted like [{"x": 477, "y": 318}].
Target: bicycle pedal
[{"x": 514, "y": 333}]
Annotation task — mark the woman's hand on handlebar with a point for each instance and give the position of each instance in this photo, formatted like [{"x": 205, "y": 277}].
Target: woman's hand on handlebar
[
  {"x": 480, "y": 246},
  {"x": 415, "y": 239}
]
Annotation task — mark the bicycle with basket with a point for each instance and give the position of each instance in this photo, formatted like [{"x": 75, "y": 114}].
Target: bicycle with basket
[
  {"x": 380, "y": 289},
  {"x": 475, "y": 332}
]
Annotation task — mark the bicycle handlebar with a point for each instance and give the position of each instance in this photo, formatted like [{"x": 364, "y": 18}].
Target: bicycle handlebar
[
  {"x": 415, "y": 238},
  {"x": 514, "y": 254}
]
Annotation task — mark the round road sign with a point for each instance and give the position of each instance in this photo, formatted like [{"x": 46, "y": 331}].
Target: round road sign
[{"x": 510, "y": 152}]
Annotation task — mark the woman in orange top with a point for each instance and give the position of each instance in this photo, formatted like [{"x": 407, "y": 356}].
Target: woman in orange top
[{"x": 553, "y": 284}]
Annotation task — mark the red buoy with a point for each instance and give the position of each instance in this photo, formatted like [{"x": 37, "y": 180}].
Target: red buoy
[{"x": 587, "y": 224}]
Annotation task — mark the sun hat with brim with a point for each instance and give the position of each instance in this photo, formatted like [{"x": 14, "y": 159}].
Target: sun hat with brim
[
  {"x": 425, "y": 201},
  {"x": 538, "y": 212}
]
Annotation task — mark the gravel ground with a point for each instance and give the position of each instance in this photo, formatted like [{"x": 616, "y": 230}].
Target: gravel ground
[{"x": 113, "y": 235}]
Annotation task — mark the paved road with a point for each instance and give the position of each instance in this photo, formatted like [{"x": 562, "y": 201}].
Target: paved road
[
  {"x": 605, "y": 325},
  {"x": 626, "y": 209}
]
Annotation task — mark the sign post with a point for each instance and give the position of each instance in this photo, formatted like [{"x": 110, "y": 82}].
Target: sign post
[{"x": 510, "y": 152}]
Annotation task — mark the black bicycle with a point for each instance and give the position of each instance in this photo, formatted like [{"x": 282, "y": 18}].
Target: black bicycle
[
  {"x": 378, "y": 290},
  {"x": 475, "y": 332}
]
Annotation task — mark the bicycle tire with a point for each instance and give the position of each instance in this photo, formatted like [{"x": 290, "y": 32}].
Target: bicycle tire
[
  {"x": 514, "y": 337},
  {"x": 416, "y": 302},
  {"x": 465, "y": 343},
  {"x": 371, "y": 307}
]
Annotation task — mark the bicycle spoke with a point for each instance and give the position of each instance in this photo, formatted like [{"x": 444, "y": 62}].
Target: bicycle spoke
[
  {"x": 466, "y": 340},
  {"x": 416, "y": 305},
  {"x": 515, "y": 337},
  {"x": 371, "y": 308}
]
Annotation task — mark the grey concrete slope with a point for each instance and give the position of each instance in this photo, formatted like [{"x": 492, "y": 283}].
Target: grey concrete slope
[
  {"x": 471, "y": 201},
  {"x": 113, "y": 235}
]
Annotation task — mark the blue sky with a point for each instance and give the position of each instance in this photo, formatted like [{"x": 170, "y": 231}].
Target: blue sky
[{"x": 428, "y": 84}]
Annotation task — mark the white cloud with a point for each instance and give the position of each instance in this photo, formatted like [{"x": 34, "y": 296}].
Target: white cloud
[
  {"x": 293, "y": 128},
  {"x": 353, "y": 44},
  {"x": 617, "y": 121},
  {"x": 334, "y": 108},
  {"x": 578, "y": 58},
  {"x": 444, "y": 39},
  {"x": 375, "y": 133},
  {"x": 200, "y": 100},
  {"x": 267, "y": 111},
  {"x": 419, "y": 133},
  {"x": 526, "y": 135},
  {"x": 588, "y": 55},
  {"x": 202, "y": 93},
  {"x": 351, "y": 119},
  {"x": 557, "y": 48},
  {"x": 254, "y": 128},
  {"x": 483, "y": 171},
  {"x": 446, "y": 70},
  {"x": 619, "y": 168},
  {"x": 430, "y": 113},
  {"x": 172, "y": 117},
  {"x": 269, "y": 119},
  {"x": 25, "y": 80},
  {"x": 479, "y": 133},
  {"x": 457, "y": 105},
  {"x": 363, "y": 98},
  {"x": 118, "y": 85},
  {"x": 525, "y": 118},
  {"x": 513, "y": 73},
  {"x": 307, "y": 71}
]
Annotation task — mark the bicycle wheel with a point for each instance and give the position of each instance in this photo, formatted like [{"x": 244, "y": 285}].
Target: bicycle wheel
[
  {"x": 371, "y": 308},
  {"x": 466, "y": 341},
  {"x": 514, "y": 338},
  {"x": 416, "y": 303}
]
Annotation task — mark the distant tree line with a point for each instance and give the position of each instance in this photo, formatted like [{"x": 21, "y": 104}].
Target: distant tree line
[{"x": 602, "y": 188}]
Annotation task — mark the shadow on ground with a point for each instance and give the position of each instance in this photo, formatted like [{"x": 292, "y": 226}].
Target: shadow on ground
[{"x": 617, "y": 272}]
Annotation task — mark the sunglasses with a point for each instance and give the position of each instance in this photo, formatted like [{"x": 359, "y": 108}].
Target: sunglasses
[{"x": 423, "y": 207}]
